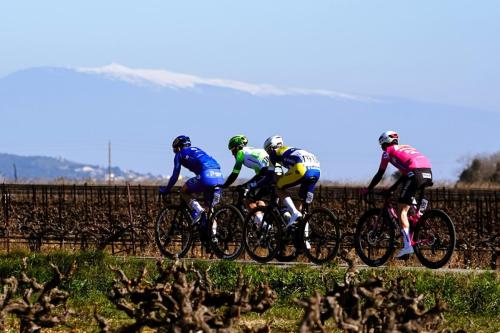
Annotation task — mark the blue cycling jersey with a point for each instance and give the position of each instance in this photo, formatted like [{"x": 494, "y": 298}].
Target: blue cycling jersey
[{"x": 194, "y": 159}]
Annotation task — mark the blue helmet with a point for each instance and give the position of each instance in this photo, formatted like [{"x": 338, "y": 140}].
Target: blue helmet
[{"x": 181, "y": 141}]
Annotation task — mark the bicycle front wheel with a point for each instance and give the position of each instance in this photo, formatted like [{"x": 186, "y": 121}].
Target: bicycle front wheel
[
  {"x": 262, "y": 239},
  {"x": 173, "y": 231},
  {"x": 320, "y": 236},
  {"x": 226, "y": 232},
  {"x": 374, "y": 238},
  {"x": 434, "y": 239}
]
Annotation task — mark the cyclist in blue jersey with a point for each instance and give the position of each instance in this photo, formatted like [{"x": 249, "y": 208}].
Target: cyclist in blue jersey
[{"x": 208, "y": 174}]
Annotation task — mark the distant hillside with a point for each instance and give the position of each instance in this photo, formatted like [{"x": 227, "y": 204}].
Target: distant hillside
[{"x": 14, "y": 167}]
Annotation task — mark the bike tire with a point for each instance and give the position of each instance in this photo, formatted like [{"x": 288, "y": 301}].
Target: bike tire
[
  {"x": 365, "y": 238},
  {"x": 173, "y": 231},
  {"x": 424, "y": 228},
  {"x": 320, "y": 235},
  {"x": 262, "y": 242},
  {"x": 225, "y": 230}
]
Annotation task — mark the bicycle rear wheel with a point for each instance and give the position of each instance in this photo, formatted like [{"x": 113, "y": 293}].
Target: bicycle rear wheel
[
  {"x": 434, "y": 239},
  {"x": 320, "y": 236},
  {"x": 226, "y": 232},
  {"x": 374, "y": 238},
  {"x": 173, "y": 231},
  {"x": 262, "y": 240}
]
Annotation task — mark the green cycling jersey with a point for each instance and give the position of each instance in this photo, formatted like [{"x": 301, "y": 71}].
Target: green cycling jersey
[{"x": 253, "y": 158}]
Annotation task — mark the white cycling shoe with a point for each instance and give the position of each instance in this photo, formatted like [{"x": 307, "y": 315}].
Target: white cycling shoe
[
  {"x": 306, "y": 236},
  {"x": 404, "y": 251},
  {"x": 293, "y": 219}
]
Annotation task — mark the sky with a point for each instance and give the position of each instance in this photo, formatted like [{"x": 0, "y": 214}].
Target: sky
[
  {"x": 443, "y": 52},
  {"x": 436, "y": 51}
]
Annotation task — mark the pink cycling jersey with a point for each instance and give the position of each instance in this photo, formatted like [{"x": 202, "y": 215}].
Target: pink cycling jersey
[{"x": 405, "y": 158}]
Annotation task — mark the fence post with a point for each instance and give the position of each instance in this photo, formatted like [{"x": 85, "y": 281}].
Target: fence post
[
  {"x": 345, "y": 201},
  {"x": 6, "y": 205},
  {"x": 132, "y": 231},
  {"x": 497, "y": 215}
]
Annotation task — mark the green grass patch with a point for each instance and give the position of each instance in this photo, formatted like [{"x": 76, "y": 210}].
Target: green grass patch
[{"x": 470, "y": 296}]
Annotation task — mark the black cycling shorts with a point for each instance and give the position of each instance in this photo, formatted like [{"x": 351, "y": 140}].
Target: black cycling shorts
[
  {"x": 261, "y": 183},
  {"x": 415, "y": 180}
]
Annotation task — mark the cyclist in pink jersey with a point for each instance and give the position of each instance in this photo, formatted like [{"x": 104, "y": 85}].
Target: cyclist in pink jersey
[{"x": 416, "y": 174}]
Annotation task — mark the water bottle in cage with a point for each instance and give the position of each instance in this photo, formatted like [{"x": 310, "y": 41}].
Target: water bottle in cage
[
  {"x": 423, "y": 205},
  {"x": 216, "y": 197},
  {"x": 309, "y": 197}
]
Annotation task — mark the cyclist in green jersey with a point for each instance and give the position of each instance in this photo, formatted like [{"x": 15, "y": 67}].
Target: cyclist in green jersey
[{"x": 253, "y": 158}]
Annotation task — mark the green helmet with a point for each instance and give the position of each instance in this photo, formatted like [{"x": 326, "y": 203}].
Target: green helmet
[{"x": 237, "y": 141}]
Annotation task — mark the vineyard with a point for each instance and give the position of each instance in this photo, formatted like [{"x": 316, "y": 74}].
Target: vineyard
[{"x": 121, "y": 219}]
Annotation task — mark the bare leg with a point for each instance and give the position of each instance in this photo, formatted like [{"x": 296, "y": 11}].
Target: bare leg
[
  {"x": 403, "y": 215},
  {"x": 256, "y": 204},
  {"x": 193, "y": 203},
  {"x": 405, "y": 230}
]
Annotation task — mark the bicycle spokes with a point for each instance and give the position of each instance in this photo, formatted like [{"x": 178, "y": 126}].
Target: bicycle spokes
[
  {"x": 262, "y": 236},
  {"x": 226, "y": 232},
  {"x": 434, "y": 239},
  {"x": 173, "y": 231},
  {"x": 374, "y": 240},
  {"x": 321, "y": 236}
]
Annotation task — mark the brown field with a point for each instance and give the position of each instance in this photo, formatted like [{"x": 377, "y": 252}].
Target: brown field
[{"x": 121, "y": 218}]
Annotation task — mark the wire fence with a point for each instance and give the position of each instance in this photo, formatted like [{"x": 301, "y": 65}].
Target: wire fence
[{"x": 121, "y": 218}]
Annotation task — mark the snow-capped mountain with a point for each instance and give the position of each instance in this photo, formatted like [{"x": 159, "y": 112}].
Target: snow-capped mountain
[{"x": 74, "y": 112}]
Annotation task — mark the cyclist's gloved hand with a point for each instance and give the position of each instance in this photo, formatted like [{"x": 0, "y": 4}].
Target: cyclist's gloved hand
[{"x": 163, "y": 190}]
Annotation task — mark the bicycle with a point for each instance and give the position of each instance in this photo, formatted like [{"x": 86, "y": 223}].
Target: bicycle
[
  {"x": 176, "y": 230},
  {"x": 432, "y": 233},
  {"x": 316, "y": 234}
]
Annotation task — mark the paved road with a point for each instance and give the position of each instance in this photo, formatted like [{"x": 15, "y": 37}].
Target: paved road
[{"x": 291, "y": 264}]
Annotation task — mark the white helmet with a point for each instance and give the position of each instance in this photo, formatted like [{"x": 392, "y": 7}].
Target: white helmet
[
  {"x": 273, "y": 142},
  {"x": 388, "y": 137}
]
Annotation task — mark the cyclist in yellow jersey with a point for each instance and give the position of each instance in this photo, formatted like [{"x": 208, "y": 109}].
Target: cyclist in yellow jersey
[{"x": 303, "y": 169}]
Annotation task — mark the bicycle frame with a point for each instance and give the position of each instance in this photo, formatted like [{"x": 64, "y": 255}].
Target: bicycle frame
[
  {"x": 413, "y": 218},
  {"x": 274, "y": 204},
  {"x": 185, "y": 206}
]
